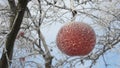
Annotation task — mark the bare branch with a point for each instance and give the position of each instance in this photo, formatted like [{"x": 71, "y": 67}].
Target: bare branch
[{"x": 9, "y": 45}]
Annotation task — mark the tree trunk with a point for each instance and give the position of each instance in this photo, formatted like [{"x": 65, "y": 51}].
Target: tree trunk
[{"x": 9, "y": 44}]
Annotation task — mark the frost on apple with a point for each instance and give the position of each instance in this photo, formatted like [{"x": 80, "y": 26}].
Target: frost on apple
[{"x": 76, "y": 39}]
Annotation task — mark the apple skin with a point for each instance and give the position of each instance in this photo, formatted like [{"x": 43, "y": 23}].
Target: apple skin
[
  {"x": 76, "y": 39},
  {"x": 20, "y": 34}
]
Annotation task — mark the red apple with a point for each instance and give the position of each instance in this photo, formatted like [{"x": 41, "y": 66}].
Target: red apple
[
  {"x": 22, "y": 59},
  {"x": 20, "y": 34},
  {"x": 76, "y": 39}
]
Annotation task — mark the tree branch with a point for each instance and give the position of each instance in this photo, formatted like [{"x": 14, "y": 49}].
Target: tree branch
[
  {"x": 9, "y": 45},
  {"x": 13, "y": 10},
  {"x": 12, "y": 5}
]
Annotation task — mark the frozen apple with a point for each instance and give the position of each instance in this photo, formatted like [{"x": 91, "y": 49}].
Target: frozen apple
[{"x": 76, "y": 39}]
